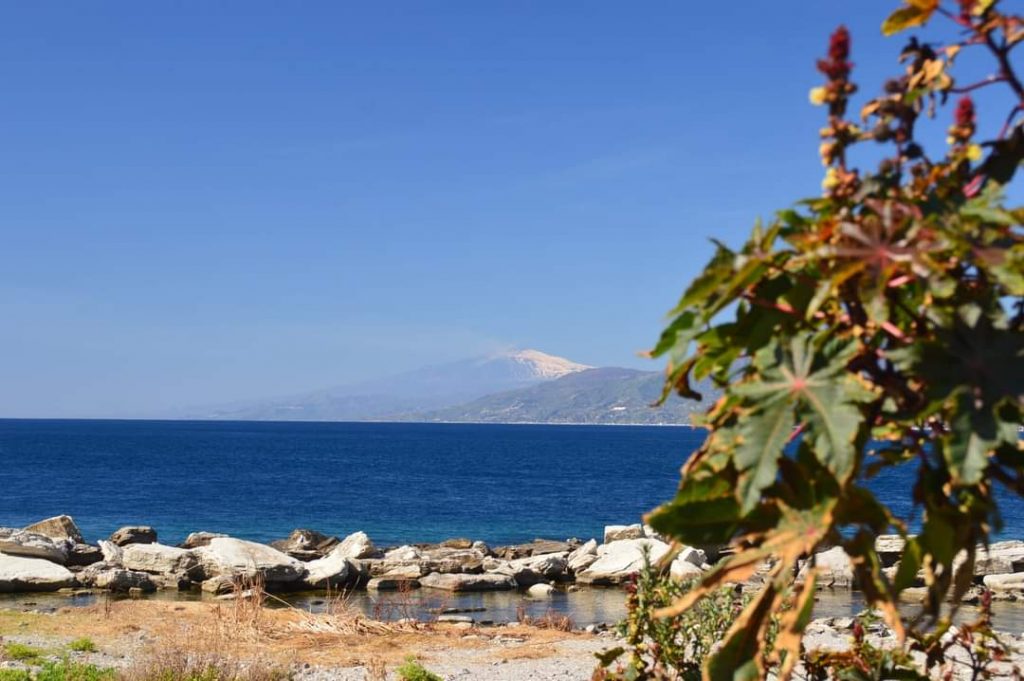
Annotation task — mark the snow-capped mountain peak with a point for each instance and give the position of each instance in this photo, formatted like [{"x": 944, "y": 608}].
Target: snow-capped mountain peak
[{"x": 545, "y": 366}]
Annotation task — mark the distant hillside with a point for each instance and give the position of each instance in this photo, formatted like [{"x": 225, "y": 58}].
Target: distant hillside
[
  {"x": 607, "y": 395},
  {"x": 430, "y": 388}
]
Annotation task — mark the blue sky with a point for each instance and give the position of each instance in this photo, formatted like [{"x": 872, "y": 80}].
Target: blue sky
[{"x": 209, "y": 201}]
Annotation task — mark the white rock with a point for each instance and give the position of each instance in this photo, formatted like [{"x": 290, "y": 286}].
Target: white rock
[
  {"x": 534, "y": 569},
  {"x": 620, "y": 532},
  {"x": 32, "y": 545},
  {"x": 619, "y": 559},
  {"x": 540, "y": 591},
  {"x": 332, "y": 570},
  {"x": 464, "y": 582},
  {"x": 355, "y": 546},
  {"x": 112, "y": 553},
  {"x": 402, "y": 554},
  {"x": 683, "y": 568},
  {"x": 58, "y": 528},
  {"x": 158, "y": 559},
  {"x": 581, "y": 557},
  {"x": 1008, "y": 582},
  {"x": 235, "y": 558},
  {"x": 834, "y": 569},
  {"x": 103, "y": 576},
  {"x": 20, "y": 573},
  {"x": 1000, "y": 558},
  {"x": 693, "y": 556}
]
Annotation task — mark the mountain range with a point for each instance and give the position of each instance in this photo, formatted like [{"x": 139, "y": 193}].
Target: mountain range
[{"x": 519, "y": 386}]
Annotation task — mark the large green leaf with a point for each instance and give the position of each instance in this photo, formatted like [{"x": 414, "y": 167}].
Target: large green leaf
[
  {"x": 762, "y": 439},
  {"x": 798, "y": 382}
]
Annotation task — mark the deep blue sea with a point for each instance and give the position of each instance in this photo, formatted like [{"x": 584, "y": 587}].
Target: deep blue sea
[{"x": 397, "y": 482}]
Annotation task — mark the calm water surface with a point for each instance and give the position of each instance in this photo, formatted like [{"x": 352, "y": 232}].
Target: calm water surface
[{"x": 397, "y": 482}]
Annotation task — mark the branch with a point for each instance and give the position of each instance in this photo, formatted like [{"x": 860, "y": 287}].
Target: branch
[{"x": 989, "y": 80}]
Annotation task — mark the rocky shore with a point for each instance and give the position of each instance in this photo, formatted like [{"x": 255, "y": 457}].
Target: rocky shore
[{"x": 51, "y": 555}]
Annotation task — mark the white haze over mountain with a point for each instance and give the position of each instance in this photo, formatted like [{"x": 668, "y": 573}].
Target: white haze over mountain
[{"x": 430, "y": 388}]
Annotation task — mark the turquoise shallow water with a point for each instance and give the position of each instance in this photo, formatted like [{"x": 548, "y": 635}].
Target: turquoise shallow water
[{"x": 397, "y": 482}]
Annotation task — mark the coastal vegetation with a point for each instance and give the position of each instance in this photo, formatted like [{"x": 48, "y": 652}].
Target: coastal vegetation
[{"x": 878, "y": 325}]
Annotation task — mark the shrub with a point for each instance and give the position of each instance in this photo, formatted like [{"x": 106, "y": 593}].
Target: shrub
[
  {"x": 889, "y": 310},
  {"x": 82, "y": 645},
  {"x": 22, "y": 652},
  {"x": 669, "y": 647},
  {"x": 15, "y": 675},
  {"x": 411, "y": 670},
  {"x": 66, "y": 670}
]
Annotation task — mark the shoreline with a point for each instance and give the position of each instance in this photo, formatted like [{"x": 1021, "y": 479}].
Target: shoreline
[
  {"x": 51, "y": 555},
  {"x": 102, "y": 419}
]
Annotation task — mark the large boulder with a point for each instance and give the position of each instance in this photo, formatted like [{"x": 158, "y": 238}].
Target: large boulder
[
  {"x": 889, "y": 548},
  {"x": 688, "y": 564},
  {"x": 306, "y": 544},
  {"x": 582, "y": 557},
  {"x": 540, "y": 591},
  {"x": 537, "y": 547},
  {"x": 386, "y": 583},
  {"x": 403, "y": 554},
  {"x": 197, "y": 539},
  {"x": 621, "y": 532},
  {"x": 535, "y": 569},
  {"x": 134, "y": 534},
  {"x": 333, "y": 570},
  {"x": 1007, "y": 582},
  {"x": 446, "y": 560},
  {"x": 236, "y": 558},
  {"x": 620, "y": 559},
  {"x": 32, "y": 545},
  {"x": 81, "y": 555},
  {"x": 1000, "y": 558},
  {"x": 158, "y": 559},
  {"x": 114, "y": 578},
  {"x": 467, "y": 582},
  {"x": 356, "y": 546},
  {"x": 22, "y": 573},
  {"x": 112, "y": 553},
  {"x": 58, "y": 528},
  {"x": 834, "y": 569}
]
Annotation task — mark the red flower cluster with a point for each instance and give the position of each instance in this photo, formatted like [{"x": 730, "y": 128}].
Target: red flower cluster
[
  {"x": 837, "y": 66},
  {"x": 965, "y": 113},
  {"x": 966, "y": 8}
]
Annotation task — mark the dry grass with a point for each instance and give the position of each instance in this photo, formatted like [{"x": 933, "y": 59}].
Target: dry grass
[
  {"x": 243, "y": 639},
  {"x": 549, "y": 620},
  {"x": 376, "y": 670}
]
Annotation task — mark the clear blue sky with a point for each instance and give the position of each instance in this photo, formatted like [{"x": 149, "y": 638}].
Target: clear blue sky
[{"x": 210, "y": 201}]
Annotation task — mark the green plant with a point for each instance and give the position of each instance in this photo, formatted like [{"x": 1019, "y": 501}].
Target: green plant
[
  {"x": 877, "y": 325},
  {"x": 82, "y": 645},
  {"x": 67, "y": 670},
  {"x": 22, "y": 652},
  {"x": 411, "y": 670},
  {"x": 674, "y": 647},
  {"x": 15, "y": 675}
]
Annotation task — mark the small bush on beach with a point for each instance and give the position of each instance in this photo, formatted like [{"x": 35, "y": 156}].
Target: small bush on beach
[
  {"x": 411, "y": 670},
  {"x": 14, "y": 675},
  {"x": 672, "y": 647},
  {"x": 66, "y": 670},
  {"x": 82, "y": 645},
  {"x": 22, "y": 653}
]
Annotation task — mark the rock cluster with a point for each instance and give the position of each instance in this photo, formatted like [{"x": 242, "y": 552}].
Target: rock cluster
[{"x": 51, "y": 555}]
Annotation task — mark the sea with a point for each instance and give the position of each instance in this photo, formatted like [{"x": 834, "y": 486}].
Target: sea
[{"x": 398, "y": 482}]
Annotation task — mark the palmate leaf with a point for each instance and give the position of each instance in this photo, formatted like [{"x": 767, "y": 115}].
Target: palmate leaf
[
  {"x": 970, "y": 370},
  {"x": 798, "y": 383}
]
